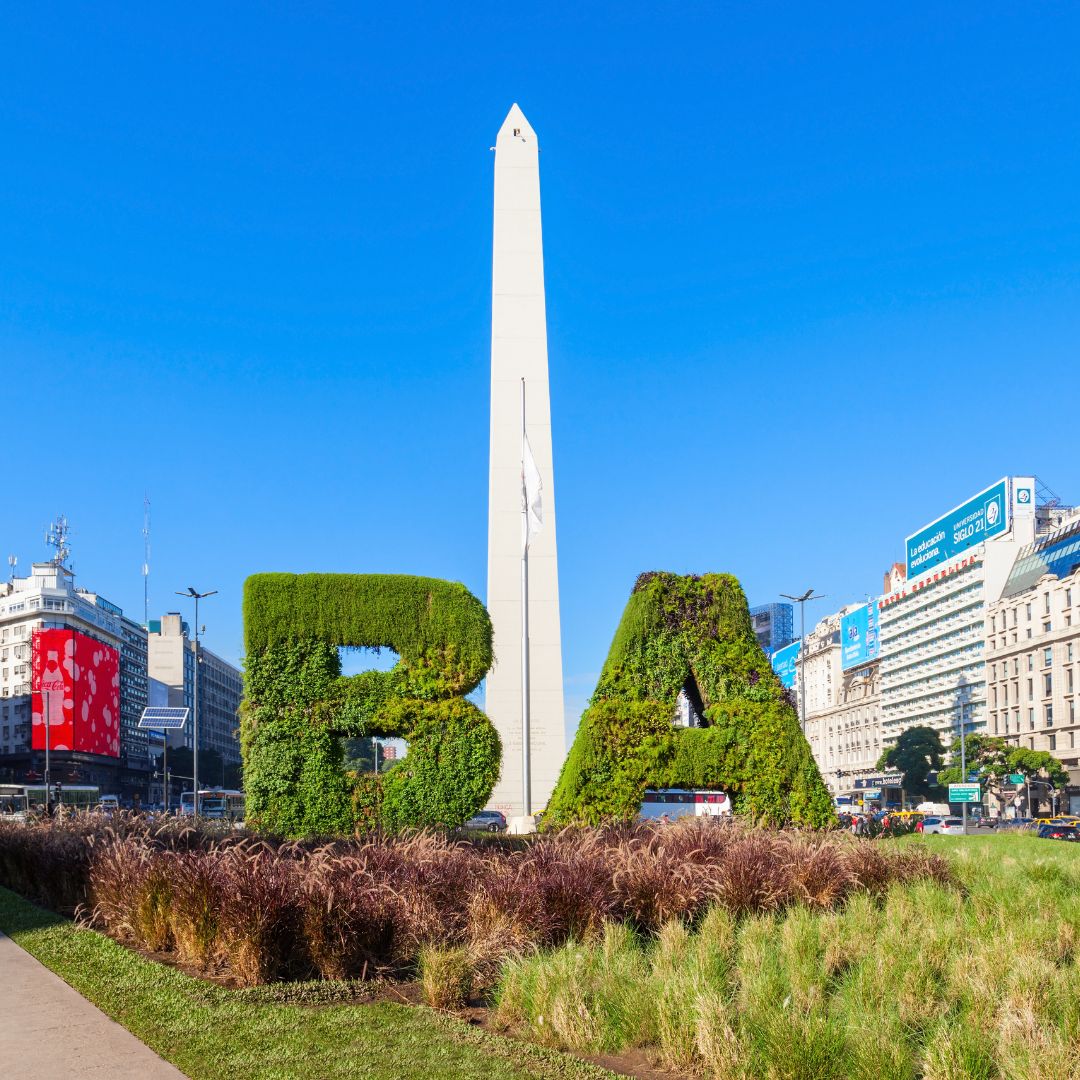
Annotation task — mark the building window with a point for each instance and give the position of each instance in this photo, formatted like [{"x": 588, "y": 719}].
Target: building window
[
  {"x": 1046, "y": 603},
  {"x": 1048, "y": 657},
  {"x": 1031, "y": 690},
  {"x": 1031, "y": 661},
  {"x": 1053, "y": 742},
  {"x": 1049, "y": 715},
  {"x": 1028, "y": 606},
  {"x": 1031, "y": 719},
  {"x": 1046, "y": 627}
]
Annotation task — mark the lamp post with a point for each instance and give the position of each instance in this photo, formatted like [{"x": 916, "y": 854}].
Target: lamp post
[
  {"x": 961, "y": 697},
  {"x": 801, "y": 601},
  {"x": 196, "y": 596},
  {"x": 48, "y": 789}
]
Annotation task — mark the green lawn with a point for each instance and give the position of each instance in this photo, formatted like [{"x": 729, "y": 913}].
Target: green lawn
[
  {"x": 976, "y": 980},
  {"x": 209, "y": 1032}
]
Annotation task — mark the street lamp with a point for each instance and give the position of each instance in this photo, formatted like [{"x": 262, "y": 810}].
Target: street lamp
[
  {"x": 801, "y": 601},
  {"x": 48, "y": 790},
  {"x": 196, "y": 596},
  {"x": 962, "y": 692}
]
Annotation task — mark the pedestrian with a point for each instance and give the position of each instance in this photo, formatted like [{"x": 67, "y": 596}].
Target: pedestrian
[{"x": 664, "y": 819}]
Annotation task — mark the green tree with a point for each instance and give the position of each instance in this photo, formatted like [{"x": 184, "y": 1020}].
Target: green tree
[
  {"x": 917, "y": 753},
  {"x": 1039, "y": 768},
  {"x": 986, "y": 754}
]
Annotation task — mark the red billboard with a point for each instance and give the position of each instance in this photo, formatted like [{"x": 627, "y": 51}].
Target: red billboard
[{"x": 78, "y": 679}]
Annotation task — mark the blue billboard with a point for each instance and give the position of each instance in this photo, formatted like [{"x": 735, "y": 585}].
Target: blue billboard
[
  {"x": 980, "y": 518},
  {"x": 859, "y": 642},
  {"x": 784, "y": 661}
]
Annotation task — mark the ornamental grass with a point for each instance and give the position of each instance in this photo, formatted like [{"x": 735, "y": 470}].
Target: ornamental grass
[{"x": 254, "y": 910}]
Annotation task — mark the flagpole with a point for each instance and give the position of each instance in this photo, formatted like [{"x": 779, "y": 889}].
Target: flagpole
[{"x": 526, "y": 807}]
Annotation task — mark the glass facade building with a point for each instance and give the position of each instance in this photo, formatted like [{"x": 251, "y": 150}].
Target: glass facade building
[{"x": 773, "y": 626}]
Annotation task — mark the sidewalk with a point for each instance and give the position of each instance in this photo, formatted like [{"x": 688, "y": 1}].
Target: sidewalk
[{"x": 50, "y": 1032}]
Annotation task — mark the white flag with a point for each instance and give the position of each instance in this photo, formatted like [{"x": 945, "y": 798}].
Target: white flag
[{"x": 530, "y": 492}]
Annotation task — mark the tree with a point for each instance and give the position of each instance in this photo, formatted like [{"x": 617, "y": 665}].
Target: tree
[
  {"x": 995, "y": 760},
  {"x": 917, "y": 753},
  {"x": 1039, "y": 767},
  {"x": 986, "y": 754}
]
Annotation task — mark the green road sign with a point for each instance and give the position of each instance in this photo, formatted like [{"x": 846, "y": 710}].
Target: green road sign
[
  {"x": 965, "y": 793},
  {"x": 1016, "y": 778}
]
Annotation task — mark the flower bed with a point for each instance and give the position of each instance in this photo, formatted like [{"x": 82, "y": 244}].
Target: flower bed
[{"x": 256, "y": 910}]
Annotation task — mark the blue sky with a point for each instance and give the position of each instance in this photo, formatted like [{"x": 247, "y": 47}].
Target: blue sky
[{"x": 813, "y": 277}]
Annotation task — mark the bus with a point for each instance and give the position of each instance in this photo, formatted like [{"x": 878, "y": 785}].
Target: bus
[
  {"x": 69, "y": 796},
  {"x": 679, "y": 802},
  {"x": 215, "y": 804}
]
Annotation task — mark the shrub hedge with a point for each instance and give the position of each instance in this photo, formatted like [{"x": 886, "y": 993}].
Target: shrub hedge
[
  {"x": 694, "y": 633},
  {"x": 298, "y": 706}
]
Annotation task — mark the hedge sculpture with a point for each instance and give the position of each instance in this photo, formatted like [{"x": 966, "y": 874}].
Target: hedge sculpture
[
  {"x": 693, "y": 633},
  {"x": 298, "y": 705}
]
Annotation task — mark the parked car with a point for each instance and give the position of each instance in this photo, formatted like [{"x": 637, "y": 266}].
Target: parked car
[
  {"x": 931, "y": 824},
  {"x": 1059, "y": 832},
  {"x": 488, "y": 820}
]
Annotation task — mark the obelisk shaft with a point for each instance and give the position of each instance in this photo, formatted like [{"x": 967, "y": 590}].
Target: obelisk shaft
[{"x": 519, "y": 351}]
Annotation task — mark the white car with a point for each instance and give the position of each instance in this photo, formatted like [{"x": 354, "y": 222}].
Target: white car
[{"x": 951, "y": 826}]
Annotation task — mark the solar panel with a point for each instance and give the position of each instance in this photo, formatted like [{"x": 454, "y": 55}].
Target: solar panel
[{"x": 163, "y": 717}]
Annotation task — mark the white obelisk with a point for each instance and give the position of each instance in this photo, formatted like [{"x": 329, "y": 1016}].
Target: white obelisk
[{"x": 519, "y": 351}]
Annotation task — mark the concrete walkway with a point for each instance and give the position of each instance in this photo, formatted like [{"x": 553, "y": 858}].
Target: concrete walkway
[{"x": 50, "y": 1032}]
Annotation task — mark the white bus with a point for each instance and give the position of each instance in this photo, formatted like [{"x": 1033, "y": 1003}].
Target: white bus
[
  {"x": 32, "y": 796},
  {"x": 215, "y": 804},
  {"x": 680, "y": 802}
]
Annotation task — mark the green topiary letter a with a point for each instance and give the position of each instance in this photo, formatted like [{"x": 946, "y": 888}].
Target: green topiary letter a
[{"x": 690, "y": 633}]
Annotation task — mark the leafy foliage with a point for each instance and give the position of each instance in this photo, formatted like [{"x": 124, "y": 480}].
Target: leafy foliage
[
  {"x": 693, "y": 633},
  {"x": 298, "y": 705},
  {"x": 917, "y": 753},
  {"x": 995, "y": 760}
]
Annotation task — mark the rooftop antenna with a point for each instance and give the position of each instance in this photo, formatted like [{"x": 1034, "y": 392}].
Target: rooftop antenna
[
  {"x": 12, "y": 561},
  {"x": 56, "y": 536},
  {"x": 1045, "y": 496},
  {"x": 146, "y": 559}
]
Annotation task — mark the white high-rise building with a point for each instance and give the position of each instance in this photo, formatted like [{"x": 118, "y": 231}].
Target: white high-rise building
[
  {"x": 933, "y": 626},
  {"x": 519, "y": 356}
]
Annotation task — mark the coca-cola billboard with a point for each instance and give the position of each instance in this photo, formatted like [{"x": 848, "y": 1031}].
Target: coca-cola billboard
[{"x": 76, "y": 680}]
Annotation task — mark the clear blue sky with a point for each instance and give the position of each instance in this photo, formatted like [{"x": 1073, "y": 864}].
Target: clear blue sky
[{"x": 813, "y": 277}]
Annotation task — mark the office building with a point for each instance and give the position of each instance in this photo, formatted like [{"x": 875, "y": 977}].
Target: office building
[
  {"x": 843, "y": 720},
  {"x": 1033, "y": 651},
  {"x": 773, "y": 626},
  {"x": 73, "y": 675},
  {"x": 172, "y": 662},
  {"x": 932, "y": 664}
]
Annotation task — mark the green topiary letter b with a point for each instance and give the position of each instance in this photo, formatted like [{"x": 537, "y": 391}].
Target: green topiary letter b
[{"x": 297, "y": 704}]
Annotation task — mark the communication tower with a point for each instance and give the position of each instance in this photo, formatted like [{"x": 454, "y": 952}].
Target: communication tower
[{"x": 56, "y": 536}]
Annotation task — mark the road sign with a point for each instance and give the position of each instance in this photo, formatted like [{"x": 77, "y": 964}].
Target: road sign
[
  {"x": 973, "y": 777},
  {"x": 961, "y": 793},
  {"x": 1016, "y": 778},
  {"x": 163, "y": 718}
]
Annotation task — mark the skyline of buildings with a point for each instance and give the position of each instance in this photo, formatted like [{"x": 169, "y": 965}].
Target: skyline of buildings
[
  {"x": 69, "y": 653},
  {"x": 934, "y": 650}
]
